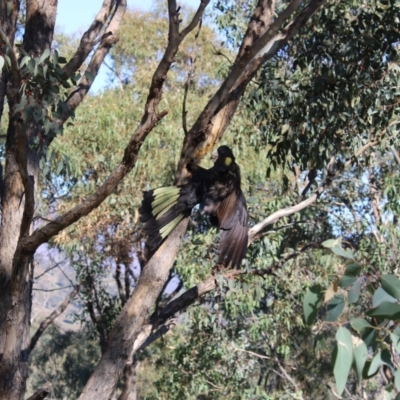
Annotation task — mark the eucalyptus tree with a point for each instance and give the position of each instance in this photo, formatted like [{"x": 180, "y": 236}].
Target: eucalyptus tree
[
  {"x": 39, "y": 91},
  {"x": 266, "y": 30}
]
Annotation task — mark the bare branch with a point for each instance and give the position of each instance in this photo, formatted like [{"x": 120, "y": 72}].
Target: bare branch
[
  {"x": 117, "y": 277},
  {"x": 107, "y": 41},
  {"x": 53, "y": 290},
  {"x": 302, "y": 205},
  {"x": 27, "y": 180},
  {"x": 173, "y": 16},
  {"x": 88, "y": 39},
  {"x": 160, "y": 332},
  {"x": 50, "y": 268},
  {"x": 259, "y": 23},
  {"x": 217, "y": 114},
  {"x": 240, "y": 65},
  {"x": 375, "y": 200},
  {"x": 268, "y": 45},
  {"x": 298, "y": 207},
  {"x": 130, "y": 389},
  {"x": 395, "y": 154},
  {"x": 149, "y": 120},
  {"x": 188, "y": 80},
  {"x": 42, "y": 235},
  {"x": 196, "y": 19},
  {"x": 50, "y": 319},
  {"x": 41, "y": 393},
  {"x": 312, "y": 175},
  {"x": 286, "y": 374},
  {"x": 196, "y": 292}
]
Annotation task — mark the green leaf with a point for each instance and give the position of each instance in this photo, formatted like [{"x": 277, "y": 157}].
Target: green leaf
[
  {"x": 24, "y": 60},
  {"x": 340, "y": 251},
  {"x": 354, "y": 292},
  {"x": 343, "y": 359},
  {"x": 89, "y": 76},
  {"x": 8, "y": 60},
  {"x": 381, "y": 357},
  {"x": 31, "y": 65},
  {"x": 375, "y": 364},
  {"x": 44, "y": 55},
  {"x": 381, "y": 296},
  {"x": 332, "y": 242},
  {"x": 386, "y": 310},
  {"x": 335, "y": 308},
  {"x": 397, "y": 380},
  {"x": 396, "y": 341},
  {"x": 60, "y": 166},
  {"x": 352, "y": 269},
  {"x": 360, "y": 353},
  {"x": 391, "y": 284},
  {"x": 347, "y": 281},
  {"x": 311, "y": 303},
  {"x": 1, "y": 62},
  {"x": 45, "y": 68},
  {"x": 369, "y": 336},
  {"x": 360, "y": 324}
]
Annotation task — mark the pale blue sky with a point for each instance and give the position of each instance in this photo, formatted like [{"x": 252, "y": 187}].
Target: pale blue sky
[{"x": 73, "y": 17}]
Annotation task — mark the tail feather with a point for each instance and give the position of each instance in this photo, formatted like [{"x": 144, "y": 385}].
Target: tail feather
[
  {"x": 161, "y": 211},
  {"x": 162, "y": 208}
]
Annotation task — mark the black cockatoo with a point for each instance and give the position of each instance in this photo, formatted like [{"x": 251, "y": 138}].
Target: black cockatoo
[{"x": 218, "y": 192}]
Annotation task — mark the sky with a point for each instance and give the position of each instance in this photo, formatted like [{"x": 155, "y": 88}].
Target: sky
[{"x": 73, "y": 17}]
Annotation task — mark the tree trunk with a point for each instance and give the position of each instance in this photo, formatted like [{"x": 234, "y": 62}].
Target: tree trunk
[
  {"x": 130, "y": 382},
  {"x": 121, "y": 343},
  {"x": 18, "y": 202}
]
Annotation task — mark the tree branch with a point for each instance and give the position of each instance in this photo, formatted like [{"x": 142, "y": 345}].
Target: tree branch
[
  {"x": 196, "y": 19},
  {"x": 212, "y": 122},
  {"x": 395, "y": 154},
  {"x": 298, "y": 207},
  {"x": 149, "y": 120},
  {"x": 302, "y": 205},
  {"x": 51, "y": 229},
  {"x": 106, "y": 42},
  {"x": 50, "y": 319},
  {"x": 88, "y": 39},
  {"x": 259, "y": 23},
  {"x": 241, "y": 64},
  {"x": 128, "y": 324},
  {"x": 196, "y": 292},
  {"x": 41, "y": 393},
  {"x": 188, "y": 81},
  {"x": 27, "y": 180}
]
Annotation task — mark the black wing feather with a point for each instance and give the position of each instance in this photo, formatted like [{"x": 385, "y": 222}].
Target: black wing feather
[{"x": 234, "y": 234}]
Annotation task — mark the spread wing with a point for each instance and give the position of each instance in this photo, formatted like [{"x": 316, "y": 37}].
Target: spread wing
[{"x": 232, "y": 221}]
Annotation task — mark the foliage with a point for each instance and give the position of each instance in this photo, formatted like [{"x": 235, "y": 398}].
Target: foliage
[
  {"x": 332, "y": 91},
  {"x": 65, "y": 359}
]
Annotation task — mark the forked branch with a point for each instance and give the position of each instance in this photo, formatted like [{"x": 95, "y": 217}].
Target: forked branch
[
  {"x": 210, "y": 283},
  {"x": 149, "y": 120},
  {"x": 87, "y": 44},
  {"x": 90, "y": 37}
]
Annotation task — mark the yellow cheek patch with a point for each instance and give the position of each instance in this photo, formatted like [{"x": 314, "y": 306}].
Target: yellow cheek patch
[{"x": 228, "y": 161}]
